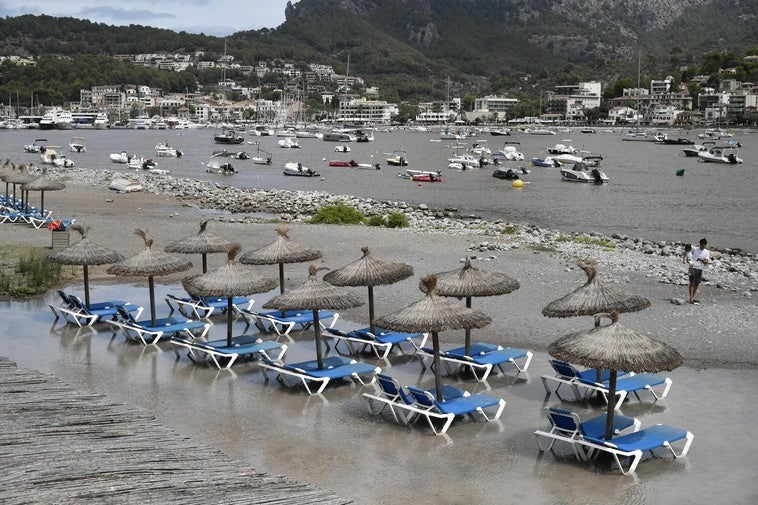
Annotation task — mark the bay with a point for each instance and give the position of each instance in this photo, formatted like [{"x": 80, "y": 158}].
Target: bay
[{"x": 645, "y": 198}]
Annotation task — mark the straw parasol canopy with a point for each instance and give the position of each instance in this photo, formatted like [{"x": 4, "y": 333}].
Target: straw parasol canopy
[
  {"x": 16, "y": 177},
  {"x": 468, "y": 282},
  {"x": 615, "y": 347},
  {"x": 149, "y": 263},
  {"x": 85, "y": 253},
  {"x": 315, "y": 294},
  {"x": 369, "y": 271},
  {"x": 434, "y": 314},
  {"x": 6, "y": 170},
  {"x": 201, "y": 243},
  {"x": 42, "y": 184},
  {"x": 281, "y": 251},
  {"x": 594, "y": 297},
  {"x": 229, "y": 280}
]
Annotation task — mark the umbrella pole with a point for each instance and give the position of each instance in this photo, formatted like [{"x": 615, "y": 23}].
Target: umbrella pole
[
  {"x": 205, "y": 263},
  {"x": 229, "y": 306},
  {"x": 611, "y": 405},
  {"x": 437, "y": 372},
  {"x": 317, "y": 331},
  {"x": 151, "y": 287},
  {"x": 281, "y": 285},
  {"x": 371, "y": 310},
  {"x": 42, "y": 203},
  {"x": 86, "y": 286},
  {"x": 468, "y": 330}
]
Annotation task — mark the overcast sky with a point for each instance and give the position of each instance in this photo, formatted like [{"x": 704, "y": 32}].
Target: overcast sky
[{"x": 211, "y": 17}]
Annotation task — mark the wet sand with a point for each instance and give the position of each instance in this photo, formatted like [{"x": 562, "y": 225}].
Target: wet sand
[{"x": 332, "y": 442}]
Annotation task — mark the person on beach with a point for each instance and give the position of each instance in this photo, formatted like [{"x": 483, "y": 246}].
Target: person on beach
[
  {"x": 687, "y": 258},
  {"x": 701, "y": 257}
]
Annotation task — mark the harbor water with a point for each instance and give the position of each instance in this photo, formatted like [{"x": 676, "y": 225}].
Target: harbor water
[{"x": 645, "y": 197}]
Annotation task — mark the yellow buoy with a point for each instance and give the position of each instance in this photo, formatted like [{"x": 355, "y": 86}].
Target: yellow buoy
[{"x": 518, "y": 183}]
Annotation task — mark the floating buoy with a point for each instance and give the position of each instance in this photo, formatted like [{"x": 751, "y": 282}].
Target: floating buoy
[
  {"x": 419, "y": 184},
  {"x": 680, "y": 171},
  {"x": 518, "y": 183}
]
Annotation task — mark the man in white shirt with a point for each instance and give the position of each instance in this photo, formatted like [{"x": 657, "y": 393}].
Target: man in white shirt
[{"x": 700, "y": 258}]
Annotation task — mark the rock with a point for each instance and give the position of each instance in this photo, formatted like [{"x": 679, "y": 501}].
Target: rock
[{"x": 678, "y": 301}]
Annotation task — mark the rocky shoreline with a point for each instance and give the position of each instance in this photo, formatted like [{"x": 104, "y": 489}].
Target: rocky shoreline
[{"x": 659, "y": 260}]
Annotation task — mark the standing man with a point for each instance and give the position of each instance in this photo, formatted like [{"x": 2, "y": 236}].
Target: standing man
[{"x": 701, "y": 257}]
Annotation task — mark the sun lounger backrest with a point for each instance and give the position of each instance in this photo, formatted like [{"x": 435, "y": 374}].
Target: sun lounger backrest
[
  {"x": 563, "y": 420},
  {"x": 563, "y": 368},
  {"x": 422, "y": 397},
  {"x": 65, "y": 298},
  {"x": 124, "y": 314},
  {"x": 78, "y": 304}
]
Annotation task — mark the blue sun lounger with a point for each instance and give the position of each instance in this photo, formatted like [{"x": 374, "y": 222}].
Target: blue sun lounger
[
  {"x": 203, "y": 307},
  {"x": 273, "y": 321},
  {"x": 566, "y": 426},
  {"x": 147, "y": 333},
  {"x": 656, "y": 385},
  {"x": 567, "y": 374},
  {"x": 389, "y": 393},
  {"x": 634, "y": 445},
  {"x": 448, "y": 410},
  {"x": 380, "y": 343},
  {"x": 224, "y": 356},
  {"x": 481, "y": 360},
  {"x": 307, "y": 373},
  {"x": 73, "y": 310}
]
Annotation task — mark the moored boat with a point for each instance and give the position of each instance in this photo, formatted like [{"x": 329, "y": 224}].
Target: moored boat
[
  {"x": 228, "y": 136},
  {"x": 354, "y": 164},
  {"x": 38, "y": 146},
  {"x": 581, "y": 172},
  {"x": 124, "y": 185},
  {"x": 77, "y": 145},
  {"x": 297, "y": 169},
  {"x": 398, "y": 159},
  {"x": 725, "y": 155}
]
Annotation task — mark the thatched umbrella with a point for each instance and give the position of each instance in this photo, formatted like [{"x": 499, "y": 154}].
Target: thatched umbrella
[
  {"x": 369, "y": 271},
  {"x": 315, "y": 294},
  {"x": 594, "y": 297},
  {"x": 149, "y": 263},
  {"x": 229, "y": 280},
  {"x": 42, "y": 184},
  {"x": 201, "y": 243},
  {"x": 434, "y": 314},
  {"x": 281, "y": 251},
  {"x": 16, "y": 177},
  {"x": 85, "y": 253},
  {"x": 615, "y": 347},
  {"x": 468, "y": 282},
  {"x": 6, "y": 170}
]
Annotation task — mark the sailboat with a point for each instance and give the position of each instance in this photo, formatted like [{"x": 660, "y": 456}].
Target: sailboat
[
  {"x": 636, "y": 135},
  {"x": 226, "y": 135}
]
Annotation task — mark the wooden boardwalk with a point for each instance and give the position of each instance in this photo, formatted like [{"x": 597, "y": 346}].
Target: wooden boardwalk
[{"x": 60, "y": 445}]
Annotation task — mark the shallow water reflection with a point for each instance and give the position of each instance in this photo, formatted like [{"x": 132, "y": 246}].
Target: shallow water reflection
[{"x": 333, "y": 442}]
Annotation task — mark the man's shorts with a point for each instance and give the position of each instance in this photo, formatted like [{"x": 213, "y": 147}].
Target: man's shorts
[{"x": 696, "y": 275}]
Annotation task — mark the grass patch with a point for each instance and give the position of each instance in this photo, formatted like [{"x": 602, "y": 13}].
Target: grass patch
[
  {"x": 337, "y": 214},
  {"x": 25, "y": 271}
]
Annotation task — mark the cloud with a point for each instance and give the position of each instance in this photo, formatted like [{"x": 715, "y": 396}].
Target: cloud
[{"x": 120, "y": 16}]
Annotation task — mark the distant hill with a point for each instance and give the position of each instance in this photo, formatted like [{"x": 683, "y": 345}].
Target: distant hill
[{"x": 411, "y": 47}]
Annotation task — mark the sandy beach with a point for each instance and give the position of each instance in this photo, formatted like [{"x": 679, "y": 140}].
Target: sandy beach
[{"x": 492, "y": 464}]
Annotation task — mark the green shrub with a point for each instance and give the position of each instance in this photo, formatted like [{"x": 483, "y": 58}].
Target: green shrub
[
  {"x": 337, "y": 214},
  {"x": 376, "y": 220},
  {"x": 31, "y": 274},
  {"x": 397, "y": 220}
]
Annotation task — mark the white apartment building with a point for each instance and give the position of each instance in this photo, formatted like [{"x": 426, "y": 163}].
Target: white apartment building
[{"x": 362, "y": 111}]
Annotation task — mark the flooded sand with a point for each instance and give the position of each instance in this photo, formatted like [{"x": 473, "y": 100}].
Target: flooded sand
[{"x": 331, "y": 441}]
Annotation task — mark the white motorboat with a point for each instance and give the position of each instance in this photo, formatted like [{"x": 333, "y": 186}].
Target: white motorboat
[
  {"x": 479, "y": 148},
  {"x": 714, "y": 135},
  {"x": 643, "y": 136},
  {"x": 164, "y": 150},
  {"x": 101, "y": 121},
  {"x": 342, "y": 148},
  {"x": 77, "y": 145},
  {"x": 159, "y": 171},
  {"x": 124, "y": 185},
  {"x": 228, "y": 136},
  {"x": 218, "y": 166},
  {"x": 725, "y": 155},
  {"x": 338, "y": 136},
  {"x": 38, "y": 146},
  {"x": 50, "y": 154},
  {"x": 139, "y": 163},
  {"x": 500, "y": 132},
  {"x": 297, "y": 169},
  {"x": 397, "y": 158},
  {"x": 539, "y": 131},
  {"x": 581, "y": 172},
  {"x": 289, "y": 143},
  {"x": 694, "y": 150},
  {"x": 122, "y": 157},
  {"x": 509, "y": 152},
  {"x": 561, "y": 149},
  {"x": 262, "y": 157}
]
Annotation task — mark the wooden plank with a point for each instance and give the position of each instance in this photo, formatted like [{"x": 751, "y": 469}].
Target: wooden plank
[{"x": 65, "y": 446}]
